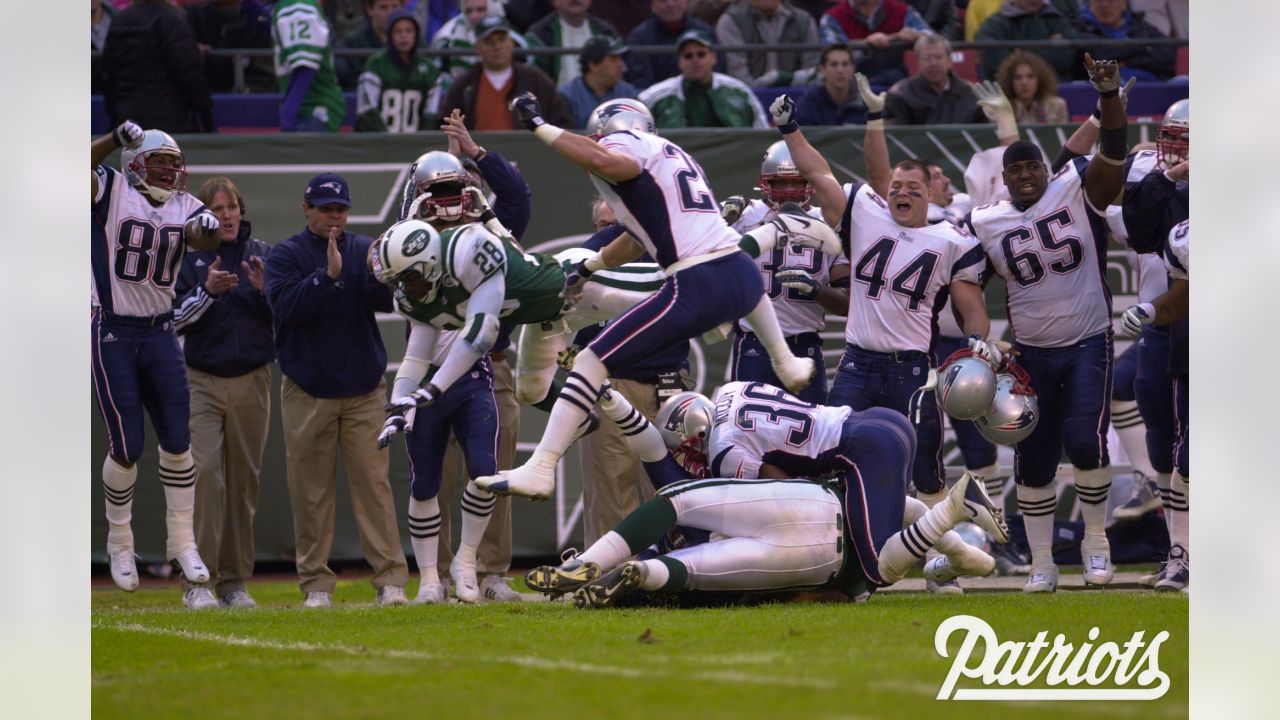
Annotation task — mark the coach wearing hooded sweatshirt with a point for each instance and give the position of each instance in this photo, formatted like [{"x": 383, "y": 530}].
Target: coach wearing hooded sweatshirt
[
  {"x": 395, "y": 89},
  {"x": 323, "y": 300}
]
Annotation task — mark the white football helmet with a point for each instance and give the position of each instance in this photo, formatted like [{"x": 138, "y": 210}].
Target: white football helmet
[
  {"x": 156, "y": 180},
  {"x": 780, "y": 181},
  {"x": 966, "y": 386},
  {"x": 442, "y": 178},
  {"x": 408, "y": 254},
  {"x": 1014, "y": 411},
  {"x": 1173, "y": 137},
  {"x": 612, "y": 116},
  {"x": 685, "y": 423}
]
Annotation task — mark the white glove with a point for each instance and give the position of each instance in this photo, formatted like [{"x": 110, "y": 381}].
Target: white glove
[
  {"x": 996, "y": 107},
  {"x": 990, "y": 352},
  {"x": 396, "y": 422},
  {"x": 205, "y": 223},
  {"x": 421, "y": 397},
  {"x": 1104, "y": 75},
  {"x": 797, "y": 279},
  {"x": 479, "y": 205},
  {"x": 128, "y": 135},
  {"x": 874, "y": 101},
  {"x": 804, "y": 231},
  {"x": 731, "y": 209},
  {"x": 1136, "y": 316},
  {"x": 783, "y": 111}
]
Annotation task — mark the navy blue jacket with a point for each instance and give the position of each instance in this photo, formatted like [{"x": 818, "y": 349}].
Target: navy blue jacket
[
  {"x": 512, "y": 201},
  {"x": 327, "y": 337},
  {"x": 672, "y": 359},
  {"x": 230, "y": 334},
  {"x": 816, "y": 107}
]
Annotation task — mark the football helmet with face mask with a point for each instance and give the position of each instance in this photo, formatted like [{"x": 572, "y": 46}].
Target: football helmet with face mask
[
  {"x": 685, "y": 423},
  {"x": 966, "y": 386},
  {"x": 612, "y": 116},
  {"x": 441, "y": 178},
  {"x": 1173, "y": 137},
  {"x": 408, "y": 255},
  {"x": 780, "y": 182},
  {"x": 156, "y": 179},
  {"x": 1014, "y": 411}
]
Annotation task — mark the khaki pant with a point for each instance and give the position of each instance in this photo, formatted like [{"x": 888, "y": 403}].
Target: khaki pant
[
  {"x": 494, "y": 556},
  {"x": 314, "y": 429},
  {"x": 613, "y": 479},
  {"x": 230, "y": 418}
]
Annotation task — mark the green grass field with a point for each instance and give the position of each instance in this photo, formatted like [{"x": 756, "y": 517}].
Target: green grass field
[{"x": 153, "y": 659}]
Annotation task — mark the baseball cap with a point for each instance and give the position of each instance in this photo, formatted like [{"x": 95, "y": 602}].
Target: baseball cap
[
  {"x": 693, "y": 36},
  {"x": 327, "y": 189},
  {"x": 490, "y": 24},
  {"x": 599, "y": 47}
]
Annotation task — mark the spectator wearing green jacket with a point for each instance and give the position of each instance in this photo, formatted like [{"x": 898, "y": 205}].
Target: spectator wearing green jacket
[
  {"x": 1028, "y": 20},
  {"x": 699, "y": 96},
  {"x": 397, "y": 90}
]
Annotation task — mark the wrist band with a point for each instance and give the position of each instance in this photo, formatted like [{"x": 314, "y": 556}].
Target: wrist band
[
  {"x": 1109, "y": 93},
  {"x": 788, "y": 127},
  {"x": 876, "y": 124},
  {"x": 548, "y": 133}
]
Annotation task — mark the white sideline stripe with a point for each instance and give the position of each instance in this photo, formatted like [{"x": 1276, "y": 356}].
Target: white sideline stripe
[{"x": 726, "y": 676}]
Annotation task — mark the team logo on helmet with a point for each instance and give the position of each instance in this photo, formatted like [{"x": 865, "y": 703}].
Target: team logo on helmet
[{"x": 416, "y": 243}]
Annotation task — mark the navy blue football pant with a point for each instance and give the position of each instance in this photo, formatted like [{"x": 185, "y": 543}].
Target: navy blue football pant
[
  {"x": 137, "y": 368},
  {"x": 749, "y": 361},
  {"x": 978, "y": 452},
  {"x": 469, "y": 410},
  {"x": 1125, "y": 375},
  {"x": 876, "y": 449},
  {"x": 1181, "y": 404},
  {"x": 1153, "y": 389},
  {"x": 1073, "y": 388},
  {"x": 868, "y": 379},
  {"x": 689, "y": 303}
]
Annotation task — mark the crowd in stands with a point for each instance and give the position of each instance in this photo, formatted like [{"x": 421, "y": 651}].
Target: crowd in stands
[{"x": 152, "y": 59}]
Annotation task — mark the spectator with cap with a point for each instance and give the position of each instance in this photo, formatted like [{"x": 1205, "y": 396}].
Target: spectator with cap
[
  {"x": 460, "y": 32},
  {"x": 601, "y": 78},
  {"x": 323, "y": 299},
  {"x": 483, "y": 91},
  {"x": 1028, "y": 20},
  {"x": 568, "y": 27},
  {"x": 151, "y": 70},
  {"x": 671, "y": 20},
  {"x": 834, "y": 100},
  {"x": 765, "y": 22},
  {"x": 699, "y": 96},
  {"x": 878, "y": 23},
  {"x": 370, "y": 35},
  {"x": 934, "y": 95},
  {"x": 1112, "y": 20}
]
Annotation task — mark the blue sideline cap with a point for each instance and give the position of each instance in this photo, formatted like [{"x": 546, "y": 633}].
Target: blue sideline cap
[
  {"x": 327, "y": 189},
  {"x": 697, "y": 36}
]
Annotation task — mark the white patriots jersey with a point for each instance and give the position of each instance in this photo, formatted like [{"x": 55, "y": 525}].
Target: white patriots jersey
[
  {"x": 1177, "y": 255},
  {"x": 1153, "y": 277},
  {"x": 137, "y": 247},
  {"x": 1052, "y": 256},
  {"x": 669, "y": 206},
  {"x": 900, "y": 275},
  {"x": 755, "y": 422},
  {"x": 795, "y": 314}
]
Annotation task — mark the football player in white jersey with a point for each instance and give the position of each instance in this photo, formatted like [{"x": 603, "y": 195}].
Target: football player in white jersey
[
  {"x": 143, "y": 220},
  {"x": 1049, "y": 242},
  {"x": 662, "y": 197},
  {"x": 903, "y": 270},
  {"x": 803, "y": 283}
]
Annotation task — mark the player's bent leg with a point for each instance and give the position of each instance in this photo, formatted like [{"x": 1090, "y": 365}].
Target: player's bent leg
[{"x": 536, "y": 361}]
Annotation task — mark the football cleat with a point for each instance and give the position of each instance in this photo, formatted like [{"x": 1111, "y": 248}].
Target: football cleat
[
  {"x": 536, "y": 479},
  {"x": 794, "y": 372},
  {"x": 607, "y": 589},
  {"x": 192, "y": 566},
  {"x": 318, "y": 599},
  {"x": 969, "y": 499},
  {"x": 430, "y": 594},
  {"x": 239, "y": 599},
  {"x": 1144, "y": 499},
  {"x": 465, "y": 586},
  {"x": 969, "y": 561},
  {"x": 389, "y": 595},
  {"x": 200, "y": 597},
  {"x": 124, "y": 570},
  {"x": 1042, "y": 580},
  {"x": 1095, "y": 553},
  {"x": 494, "y": 588},
  {"x": 1010, "y": 560},
  {"x": 1177, "y": 571},
  {"x": 1149, "y": 581},
  {"x": 568, "y": 576}
]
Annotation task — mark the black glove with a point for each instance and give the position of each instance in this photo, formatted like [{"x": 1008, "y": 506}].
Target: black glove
[{"x": 527, "y": 110}]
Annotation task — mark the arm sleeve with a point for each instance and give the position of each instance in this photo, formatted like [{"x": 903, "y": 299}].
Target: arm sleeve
[
  {"x": 485, "y": 300},
  {"x": 299, "y": 83},
  {"x": 368, "y": 90},
  {"x": 513, "y": 198},
  {"x": 294, "y": 294},
  {"x": 417, "y": 359}
]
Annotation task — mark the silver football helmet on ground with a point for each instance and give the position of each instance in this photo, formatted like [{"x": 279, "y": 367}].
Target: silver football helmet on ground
[
  {"x": 1014, "y": 411},
  {"x": 442, "y": 178},
  {"x": 966, "y": 386},
  {"x": 612, "y": 116},
  {"x": 1173, "y": 137},
  {"x": 408, "y": 254},
  {"x": 156, "y": 180},
  {"x": 780, "y": 182}
]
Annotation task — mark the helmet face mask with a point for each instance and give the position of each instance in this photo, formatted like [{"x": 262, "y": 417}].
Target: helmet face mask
[
  {"x": 157, "y": 167},
  {"x": 685, "y": 422},
  {"x": 1173, "y": 137},
  {"x": 437, "y": 180},
  {"x": 780, "y": 182},
  {"x": 618, "y": 115}
]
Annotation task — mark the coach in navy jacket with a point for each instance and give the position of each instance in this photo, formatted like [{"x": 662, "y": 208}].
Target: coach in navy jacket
[{"x": 324, "y": 298}]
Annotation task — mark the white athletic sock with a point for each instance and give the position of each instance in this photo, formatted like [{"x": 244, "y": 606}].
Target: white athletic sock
[
  {"x": 931, "y": 500},
  {"x": 656, "y": 575},
  {"x": 913, "y": 511},
  {"x": 764, "y": 323},
  {"x": 477, "y": 504},
  {"x": 117, "y": 483},
  {"x": 424, "y": 536},
  {"x": 1037, "y": 506},
  {"x": 1164, "y": 481},
  {"x": 1092, "y": 487},
  {"x": 580, "y": 392},
  {"x": 993, "y": 482},
  {"x": 178, "y": 475},
  {"x": 1132, "y": 432},
  {"x": 1177, "y": 511},
  {"x": 902, "y": 550},
  {"x": 642, "y": 437},
  {"x": 608, "y": 552}
]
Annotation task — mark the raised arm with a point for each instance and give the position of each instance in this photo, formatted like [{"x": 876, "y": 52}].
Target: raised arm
[
  {"x": 1104, "y": 177},
  {"x": 809, "y": 161},
  {"x": 127, "y": 135},
  {"x": 582, "y": 151},
  {"x": 1085, "y": 137},
  {"x": 875, "y": 148}
]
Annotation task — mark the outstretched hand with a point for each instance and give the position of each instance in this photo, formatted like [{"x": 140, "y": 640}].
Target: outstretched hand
[
  {"x": 873, "y": 100},
  {"x": 1104, "y": 75}
]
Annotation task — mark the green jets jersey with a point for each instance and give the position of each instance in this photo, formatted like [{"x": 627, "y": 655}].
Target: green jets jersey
[
  {"x": 394, "y": 97},
  {"x": 300, "y": 36},
  {"x": 470, "y": 254}
]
